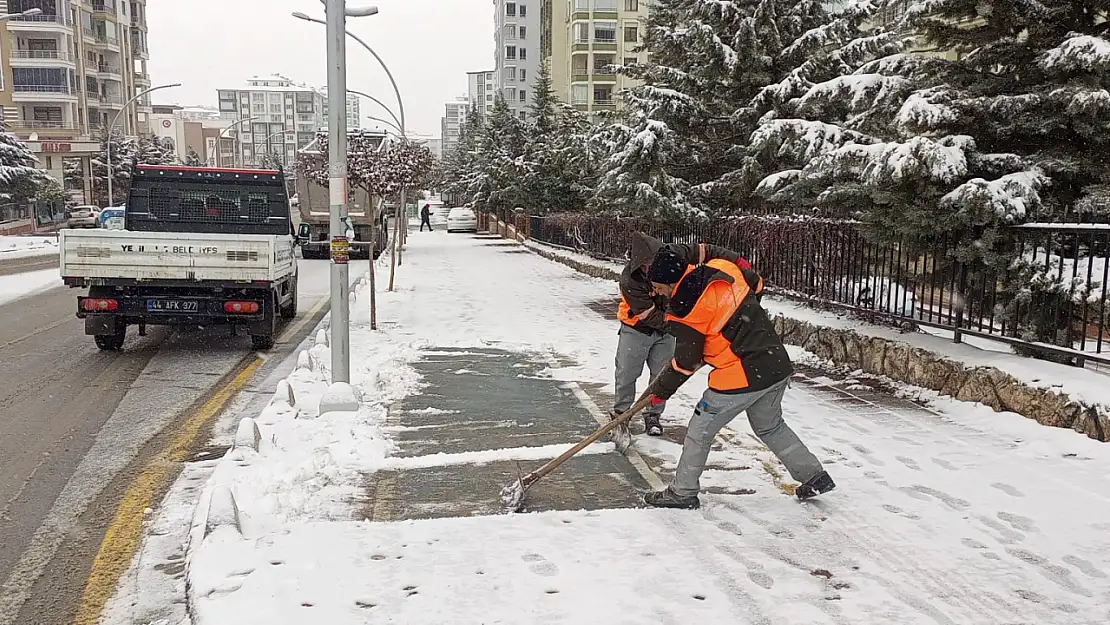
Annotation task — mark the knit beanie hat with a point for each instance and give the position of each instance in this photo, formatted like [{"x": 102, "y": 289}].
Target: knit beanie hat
[{"x": 667, "y": 267}]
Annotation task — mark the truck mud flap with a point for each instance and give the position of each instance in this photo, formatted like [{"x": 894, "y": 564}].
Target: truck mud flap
[{"x": 101, "y": 325}]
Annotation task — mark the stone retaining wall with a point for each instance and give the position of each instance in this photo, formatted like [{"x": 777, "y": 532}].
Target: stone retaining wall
[{"x": 920, "y": 367}]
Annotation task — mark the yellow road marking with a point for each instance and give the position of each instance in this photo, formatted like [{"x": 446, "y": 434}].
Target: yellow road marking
[{"x": 125, "y": 532}]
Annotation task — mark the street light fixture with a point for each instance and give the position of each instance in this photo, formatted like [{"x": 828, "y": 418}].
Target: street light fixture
[
  {"x": 219, "y": 137},
  {"x": 27, "y": 13},
  {"x": 379, "y": 103},
  {"x": 115, "y": 119},
  {"x": 386, "y": 122},
  {"x": 337, "y": 13}
]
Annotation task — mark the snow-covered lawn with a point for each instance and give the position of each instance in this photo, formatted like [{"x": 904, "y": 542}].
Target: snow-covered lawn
[
  {"x": 952, "y": 514},
  {"x": 24, "y": 246},
  {"x": 20, "y": 285}
]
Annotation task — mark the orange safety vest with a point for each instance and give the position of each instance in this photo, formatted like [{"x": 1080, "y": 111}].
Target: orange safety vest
[
  {"x": 715, "y": 307},
  {"x": 624, "y": 313}
]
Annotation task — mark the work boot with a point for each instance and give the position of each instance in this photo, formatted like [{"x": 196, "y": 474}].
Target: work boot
[
  {"x": 817, "y": 485},
  {"x": 652, "y": 425},
  {"x": 667, "y": 498}
]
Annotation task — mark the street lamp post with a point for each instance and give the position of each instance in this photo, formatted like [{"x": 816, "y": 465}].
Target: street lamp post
[
  {"x": 219, "y": 137},
  {"x": 392, "y": 115},
  {"x": 395, "y": 257},
  {"x": 115, "y": 119},
  {"x": 27, "y": 13},
  {"x": 336, "y": 17}
]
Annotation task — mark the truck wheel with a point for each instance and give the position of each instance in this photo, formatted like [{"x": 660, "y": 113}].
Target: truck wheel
[
  {"x": 290, "y": 311},
  {"x": 264, "y": 333},
  {"x": 112, "y": 342}
]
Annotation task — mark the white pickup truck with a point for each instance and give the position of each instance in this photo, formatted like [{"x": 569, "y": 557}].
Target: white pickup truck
[{"x": 202, "y": 247}]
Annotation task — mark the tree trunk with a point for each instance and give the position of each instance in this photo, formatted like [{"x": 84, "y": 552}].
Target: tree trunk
[
  {"x": 395, "y": 246},
  {"x": 373, "y": 280},
  {"x": 404, "y": 229}
]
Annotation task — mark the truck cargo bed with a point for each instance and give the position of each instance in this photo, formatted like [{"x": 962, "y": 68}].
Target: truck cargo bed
[{"x": 177, "y": 256}]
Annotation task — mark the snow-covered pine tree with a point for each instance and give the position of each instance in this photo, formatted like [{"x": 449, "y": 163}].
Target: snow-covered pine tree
[
  {"x": 154, "y": 151},
  {"x": 124, "y": 150},
  {"x": 20, "y": 180},
  {"x": 192, "y": 159},
  {"x": 496, "y": 185},
  {"x": 554, "y": 176},
  {"x": 461, "y": 166}
]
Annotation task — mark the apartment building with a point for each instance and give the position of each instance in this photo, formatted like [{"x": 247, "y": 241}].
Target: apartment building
[
  {"x": 284, "y": 116},
  {"x": 480, "y": 89},
  {"x": 589, "y": 40},
  {"x": 517, "y": 51},
  {"x": 195, "y": 128},
  {"x": 66, "y": 73},
  {"x": 452, "y": 122}
]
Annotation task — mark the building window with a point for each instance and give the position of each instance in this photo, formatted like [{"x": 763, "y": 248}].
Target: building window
[
  {"x": 524, "y": 11},
  {"x": 523, "y": 54},
  {"x": 581, "y": 5},
  {"x": 489, "y": 76},
  {"x": 489, "y": 98},
  {"x": 580, "y": 94},
  {"x": 523, "y": 95},
  {"x": 523, "y": 116},
  {"x": 510, "y": 9},
  {"x": 631, "y": 5},
  {"x": 629, "y": 60},
  {"x": 510, "y": 52},
  {"x": 510, "y": 31},
  {"x": 523, "y": 32},
  {"x": 510, "y": 73},
  {"x": 631, "y": 33},
  {"x": 605, "y": 32},
  {"x": 603, "y": 95},
  {"x": 581, "y": 32},
  {"x": 609, "y": 6},
  {"x": 523, "y": 75},
  {"x": 258, "y": 107}
]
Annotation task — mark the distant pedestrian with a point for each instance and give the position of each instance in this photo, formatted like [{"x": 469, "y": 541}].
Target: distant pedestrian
[
  {"x": 642, "y": 338},
  {"x": 426, "y": 217},
  {"x": 715, "y": 312}
]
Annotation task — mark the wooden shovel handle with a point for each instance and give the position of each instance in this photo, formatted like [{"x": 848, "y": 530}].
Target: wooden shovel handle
[{"x": 640, "y": 404}]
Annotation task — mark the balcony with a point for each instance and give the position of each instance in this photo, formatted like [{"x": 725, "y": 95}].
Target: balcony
[
  {"x": 105, "y": 68},
  {"x": 106, "y": 39},
  {"x": 44, "y": 128},
  {"x": 43, "y": 58},
  {"x": 56, "y": 23},
  {"x": 98, "y": 6},
  {"x": 44, "y": 93}
]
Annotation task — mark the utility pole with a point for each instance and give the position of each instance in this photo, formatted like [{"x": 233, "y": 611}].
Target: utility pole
[{"x": 337, "y": 190}]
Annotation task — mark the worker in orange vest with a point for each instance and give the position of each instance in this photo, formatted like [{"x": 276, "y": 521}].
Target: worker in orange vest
[
  {"x": 714, "y": 311},
  {"x": 642, "y": 337}
]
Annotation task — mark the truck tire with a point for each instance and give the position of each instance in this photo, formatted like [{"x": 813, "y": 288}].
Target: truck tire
[
  {"x": 264, "y": 333},
  {"x": 290, "y": 310},
  {"x": 112, "y": 342}
]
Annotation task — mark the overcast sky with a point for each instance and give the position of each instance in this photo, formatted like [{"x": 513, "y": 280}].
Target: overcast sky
[{"x": 429, "y": 46}]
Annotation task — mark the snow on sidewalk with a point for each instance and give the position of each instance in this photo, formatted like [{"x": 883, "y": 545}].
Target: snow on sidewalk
[
  {"x": 21, "y": 285},
  {"x": 24, "y": 246},
  {"x": 947, "y": 514}
]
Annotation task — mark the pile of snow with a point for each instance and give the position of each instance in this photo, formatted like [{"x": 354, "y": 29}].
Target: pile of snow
[
  {"x": 24, "y": 246},
  {"x": 21, "y": 285}
]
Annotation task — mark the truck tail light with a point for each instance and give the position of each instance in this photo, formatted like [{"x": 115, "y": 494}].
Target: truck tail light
[
  {"x": 92, "y": 214},
  {"x": 240, "y": 308},
  {"x": 96, "y": 304}
]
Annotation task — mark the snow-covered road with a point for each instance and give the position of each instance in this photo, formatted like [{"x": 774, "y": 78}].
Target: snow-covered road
[{"x": 948, "y": 514}]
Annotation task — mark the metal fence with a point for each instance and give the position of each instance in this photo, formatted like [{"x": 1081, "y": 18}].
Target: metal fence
[{"x": 1049, "y": 298}]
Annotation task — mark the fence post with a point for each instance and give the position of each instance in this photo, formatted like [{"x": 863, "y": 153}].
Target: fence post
[{"x": 961, "y": 301}]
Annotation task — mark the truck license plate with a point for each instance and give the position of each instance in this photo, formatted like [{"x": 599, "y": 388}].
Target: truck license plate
[{"x": 173, "y": 305}]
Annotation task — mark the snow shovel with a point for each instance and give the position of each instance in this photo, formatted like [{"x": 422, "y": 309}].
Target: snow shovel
[{"x": 512, "y": 496}]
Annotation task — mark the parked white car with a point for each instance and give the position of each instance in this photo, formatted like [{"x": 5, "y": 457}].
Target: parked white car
[
  {"x": 84, "y": 217},
  {"x": 462, "y": 219}
]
